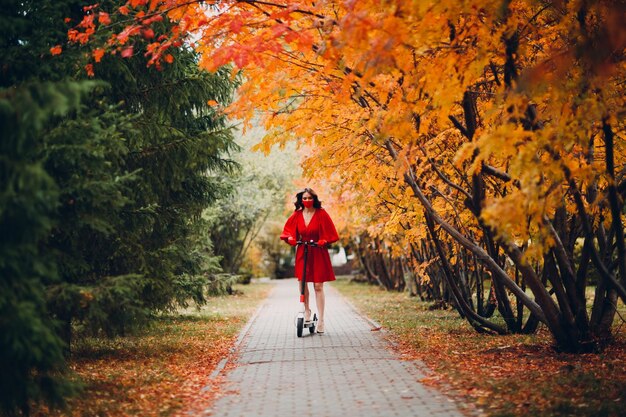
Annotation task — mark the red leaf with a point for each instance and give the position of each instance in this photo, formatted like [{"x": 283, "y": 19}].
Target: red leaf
[
  {"x": 236, "y": 25},
  {"x": 103, "y": 18},
  {"x": 128, "y": 52},
  {"x": 241, "y": 59},
  {"x": 155, "y": 18},
  {"x": 147, "y": 33},
  {"x": 89, "y": 69},
  {"x": 128, "y": 31},
  {"x": 56, "y": 50},
  {"x": 279, "y": 30},
  {"x": 98, "y": 54}
]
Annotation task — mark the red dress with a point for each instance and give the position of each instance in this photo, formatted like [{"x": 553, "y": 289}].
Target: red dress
[{"x": 321, "y": 227}]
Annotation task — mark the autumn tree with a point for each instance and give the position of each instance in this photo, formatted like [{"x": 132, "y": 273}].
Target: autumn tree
[{"x": 490, "y": 130}]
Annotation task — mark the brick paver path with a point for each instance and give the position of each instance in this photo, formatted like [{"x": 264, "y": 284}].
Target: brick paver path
[{"x": 349, "y": 371}]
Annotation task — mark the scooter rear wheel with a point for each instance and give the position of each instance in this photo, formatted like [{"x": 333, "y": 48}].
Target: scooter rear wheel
[{"x": 300, "y": 326}]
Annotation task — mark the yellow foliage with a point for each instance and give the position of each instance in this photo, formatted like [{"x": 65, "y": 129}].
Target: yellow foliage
[{"x": 346, "y": 80}]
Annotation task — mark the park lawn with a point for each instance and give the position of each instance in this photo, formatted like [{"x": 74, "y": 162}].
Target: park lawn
[
  {"x": 161, "y": 372},
  {"x": 513, "y": 375}
]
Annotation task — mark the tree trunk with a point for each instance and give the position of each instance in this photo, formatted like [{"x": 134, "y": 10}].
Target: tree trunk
[{"x": 478, "y": 322}]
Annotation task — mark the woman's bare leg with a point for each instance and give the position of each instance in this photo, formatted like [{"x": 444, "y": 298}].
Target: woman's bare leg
[
  {"x": 307, "y": 309},
  {"x": 320, "y": 301}
]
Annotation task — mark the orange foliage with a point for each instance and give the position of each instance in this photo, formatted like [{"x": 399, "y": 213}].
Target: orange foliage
[
  {"x": 496, "y": 112},
  {"x": 364, "y": 70}
]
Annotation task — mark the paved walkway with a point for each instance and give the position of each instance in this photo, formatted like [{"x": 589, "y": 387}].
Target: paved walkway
[{"x": 348, "y": 371}]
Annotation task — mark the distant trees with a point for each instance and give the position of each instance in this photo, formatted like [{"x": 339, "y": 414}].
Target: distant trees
[{"x": 246, "y": 218}]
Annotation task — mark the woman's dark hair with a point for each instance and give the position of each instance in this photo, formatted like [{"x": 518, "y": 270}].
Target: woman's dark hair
[{"x": 316, "y": 202}]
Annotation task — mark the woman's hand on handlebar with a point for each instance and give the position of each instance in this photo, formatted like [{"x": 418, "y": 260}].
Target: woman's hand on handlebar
[
  {"x": 309, "y": 243},
  {"x": 293, "y": 242}
]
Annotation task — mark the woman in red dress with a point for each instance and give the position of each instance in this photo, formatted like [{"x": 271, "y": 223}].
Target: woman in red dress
[{"x": 311, "y": 222}]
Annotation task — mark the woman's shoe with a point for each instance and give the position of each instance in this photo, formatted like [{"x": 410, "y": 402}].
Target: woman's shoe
[
  {"x": 307, "y": 314},
  {"x": 320, "y": 326}
]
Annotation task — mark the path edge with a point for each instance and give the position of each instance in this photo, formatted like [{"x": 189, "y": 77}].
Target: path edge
[
  {"x": 446, "y": 390},
  {"x": 375, "y": 326},
  {"x": 242, "y": 334}
]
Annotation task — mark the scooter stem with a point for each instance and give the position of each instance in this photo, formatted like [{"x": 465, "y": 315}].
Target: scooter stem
[{"x": 303, "y": 281}]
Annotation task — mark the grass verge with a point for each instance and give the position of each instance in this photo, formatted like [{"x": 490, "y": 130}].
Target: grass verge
[
  {"x": 165, "y": 371},
  {"x": 513, "y": 375}
]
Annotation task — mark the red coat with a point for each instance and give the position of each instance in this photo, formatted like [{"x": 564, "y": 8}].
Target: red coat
[{"x": 321, "y": 227}]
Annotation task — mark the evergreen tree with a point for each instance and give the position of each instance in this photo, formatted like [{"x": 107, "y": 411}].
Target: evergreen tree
[
  {"x": 33, "y": 99},
  {"x": 157, "y": 253},
  {"x": 31, "y": 358},
  {"x": 102, "y": 188}
]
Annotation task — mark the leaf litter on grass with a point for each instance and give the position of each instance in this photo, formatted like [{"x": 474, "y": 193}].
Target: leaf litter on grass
[
  {"x": 166, "y": 371},
  {"x": 512, "y": 375}
]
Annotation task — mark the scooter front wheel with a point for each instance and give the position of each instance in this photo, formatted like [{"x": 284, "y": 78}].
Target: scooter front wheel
[
  {"x": 312, "y": 326},
  {"x": 300, "y": 326}
]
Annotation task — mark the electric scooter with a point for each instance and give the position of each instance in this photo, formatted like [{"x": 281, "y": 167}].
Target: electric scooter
[{"x": 302, "y": 324}]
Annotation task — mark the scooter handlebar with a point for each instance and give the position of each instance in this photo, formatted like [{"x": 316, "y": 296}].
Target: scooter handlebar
[{"x": 309, "y": 243}]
